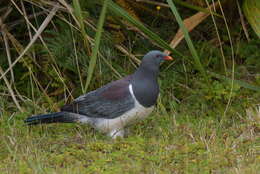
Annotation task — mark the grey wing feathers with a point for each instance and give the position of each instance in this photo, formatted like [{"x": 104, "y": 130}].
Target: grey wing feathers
[{"x": 109, "y": 101}]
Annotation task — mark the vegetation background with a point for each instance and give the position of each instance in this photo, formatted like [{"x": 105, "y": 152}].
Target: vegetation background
[{"x": 207, "y": 118}]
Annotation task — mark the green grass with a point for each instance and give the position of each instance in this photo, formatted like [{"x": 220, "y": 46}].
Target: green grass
[{"x": 164, "y": 143}]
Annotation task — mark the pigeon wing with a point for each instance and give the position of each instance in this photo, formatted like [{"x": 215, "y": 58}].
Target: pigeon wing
[{"x": 109, "y": 101}]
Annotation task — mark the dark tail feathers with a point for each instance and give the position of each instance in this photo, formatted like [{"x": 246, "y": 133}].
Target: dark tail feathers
[{"x": 62, "y": 117}]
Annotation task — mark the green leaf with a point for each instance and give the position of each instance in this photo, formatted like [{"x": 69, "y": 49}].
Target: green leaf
[
  {"x": 93, "y": 58},
  {"x": 251, "y": 9}
]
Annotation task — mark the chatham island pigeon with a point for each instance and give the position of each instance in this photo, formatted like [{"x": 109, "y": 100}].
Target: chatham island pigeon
[{"x": 111, "y": 108}]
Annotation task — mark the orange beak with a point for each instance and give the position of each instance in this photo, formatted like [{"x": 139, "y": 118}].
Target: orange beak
[{"x": 168, "y": 58}]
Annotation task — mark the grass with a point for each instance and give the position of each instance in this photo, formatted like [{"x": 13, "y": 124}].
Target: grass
[
  {"x": 93, "y": 58},
  {"x": 164, "y": 143}
]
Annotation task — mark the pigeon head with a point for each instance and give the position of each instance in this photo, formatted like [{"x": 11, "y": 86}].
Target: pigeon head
[
  {"x": 153, "y": 59},
  {"x": 144, "y": 82}
]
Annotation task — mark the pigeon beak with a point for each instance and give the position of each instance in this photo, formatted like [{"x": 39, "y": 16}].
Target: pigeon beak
[{"x": 167, "y": 58}]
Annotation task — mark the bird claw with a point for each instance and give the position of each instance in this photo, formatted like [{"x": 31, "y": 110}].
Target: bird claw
[{"x": 117, "y": 134}]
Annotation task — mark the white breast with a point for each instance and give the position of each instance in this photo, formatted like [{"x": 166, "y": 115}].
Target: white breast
[{"x": 137, "y": 113}]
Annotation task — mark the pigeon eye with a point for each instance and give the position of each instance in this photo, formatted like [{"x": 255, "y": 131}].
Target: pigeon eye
[{"x": 157, "y": 56}]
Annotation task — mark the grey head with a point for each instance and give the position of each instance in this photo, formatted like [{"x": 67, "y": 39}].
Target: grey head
[
  {"x": 144, "y": 82},
  {"x": 152, "y": 60}
]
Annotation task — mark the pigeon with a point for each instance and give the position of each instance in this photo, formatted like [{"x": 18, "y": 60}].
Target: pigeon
[{"x": 112, "y": 108}]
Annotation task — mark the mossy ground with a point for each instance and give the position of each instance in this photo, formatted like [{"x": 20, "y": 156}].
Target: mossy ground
[{"x": 164, "y": 143}]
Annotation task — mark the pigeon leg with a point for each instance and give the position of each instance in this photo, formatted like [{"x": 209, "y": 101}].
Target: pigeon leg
[{"x": 117, "y": 133}]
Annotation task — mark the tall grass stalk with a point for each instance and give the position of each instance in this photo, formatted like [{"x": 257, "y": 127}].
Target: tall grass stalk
[
  {"x": 93, "y": 58},
  {"x": 193, "y": 51},
  {"x": 232, "y": 57},
  {"x": 218, "y": 36},
  {"x": 78, "y": 14}
]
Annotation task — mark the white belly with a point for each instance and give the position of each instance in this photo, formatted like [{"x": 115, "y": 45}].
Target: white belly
[{"x": 137, "y": 113}]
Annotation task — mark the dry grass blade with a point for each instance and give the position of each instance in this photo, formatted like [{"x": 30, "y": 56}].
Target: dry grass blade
[
  {"x": 8, "y": 54},
  {"x": 123, "y": 50},
  {"x": 77, "y": 63},
  {"x": 8, "y": 85},
  {"x": 232, "y": 58},
  {"x": 110, "y": 65},
  {"x": 78, "y": 13},
  {"x": 190, "y": 23},
  {"x": 7, "y": 48},
  {"x": 242, "y": 19},
  {"x": 28, "y": 26},
  {"x": 35, "y": 37},
  {"x": 219, "y": 39},
  {"x": 7, "y": 12},
  {"x": 18, "y": 22},
  {"x": 70, "y": 11}
]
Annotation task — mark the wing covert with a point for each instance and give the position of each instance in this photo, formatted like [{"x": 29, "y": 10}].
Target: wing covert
[{"x": 109, "y": 101}]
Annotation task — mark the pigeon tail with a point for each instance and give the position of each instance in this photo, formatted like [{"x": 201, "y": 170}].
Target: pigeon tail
[{"x": 56, "y": 117}]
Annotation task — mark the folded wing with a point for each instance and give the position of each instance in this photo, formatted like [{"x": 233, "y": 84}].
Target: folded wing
[{"x": 110, "y": 101}]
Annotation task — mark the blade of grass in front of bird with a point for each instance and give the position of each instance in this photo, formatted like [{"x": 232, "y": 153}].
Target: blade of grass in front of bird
[
  {"x": 93, "y": 57},
  {"x": 154, "y": 37},
  {"x": 193, "y": 51}
]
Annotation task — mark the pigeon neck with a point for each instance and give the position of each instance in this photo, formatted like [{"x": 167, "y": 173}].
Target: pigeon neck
[
  {"x": 145, "y": 86},
  {"x": 149, "y": 72}
]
